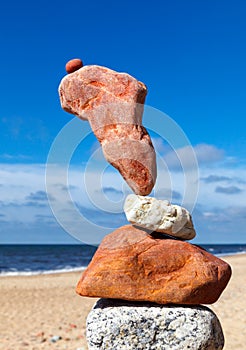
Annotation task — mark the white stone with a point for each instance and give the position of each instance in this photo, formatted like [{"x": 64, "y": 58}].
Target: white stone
[
  {"x": 121, "y": 325},
  {"x": 159, "y": 215}
]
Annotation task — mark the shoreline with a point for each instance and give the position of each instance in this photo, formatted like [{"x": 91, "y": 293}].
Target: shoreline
[
  {"x": 35, "y": 308},
  {"x": 38, "y": 273}
]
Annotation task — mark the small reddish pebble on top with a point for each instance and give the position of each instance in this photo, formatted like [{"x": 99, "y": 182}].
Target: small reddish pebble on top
[{"x": 73, "y": 65}]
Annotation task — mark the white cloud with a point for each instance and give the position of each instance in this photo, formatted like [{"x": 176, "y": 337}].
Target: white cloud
[
  {"x": 220, "y": 225},
  {"x": 208, "y": 153},
  {"x": 160, "y": 146},
  {"x": 224, "y": 179},
  {"x": 228, "y": 189},
  {"x": 99, "y": 195},
  {"x": 19, "y": 180},
  {"x": 17, "y": 157},
  {"x": 231, "y": 194},
  {"x": 187, "y": 156}
]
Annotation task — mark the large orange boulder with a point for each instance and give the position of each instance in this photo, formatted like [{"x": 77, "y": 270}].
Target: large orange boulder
[
  {"x": 131, "y": 264},
  {"x": 112, "y": 102}
]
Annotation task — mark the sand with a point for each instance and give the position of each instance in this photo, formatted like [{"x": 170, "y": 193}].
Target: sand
[{"x": 33, "y": 309}]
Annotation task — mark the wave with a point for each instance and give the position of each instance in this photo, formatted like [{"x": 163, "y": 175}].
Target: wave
[
  {"x": 39, "y": 272},
  {"x": 230, "y": 253}
]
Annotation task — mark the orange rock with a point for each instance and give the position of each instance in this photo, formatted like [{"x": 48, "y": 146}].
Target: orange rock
[
  {"x": 73, "y": 65},
  {"x": 132, "y": 265},
  {"x": 112, "y": 102}
]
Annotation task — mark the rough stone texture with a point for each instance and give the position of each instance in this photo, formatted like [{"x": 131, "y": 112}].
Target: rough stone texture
[
  {"x": 158, "y": 215},
  {"x": 112, "y": 102},
  {"x": 73, "y": 65},
  {"x": 117, "y": 325},
  {"x": 132, "y": 265}
]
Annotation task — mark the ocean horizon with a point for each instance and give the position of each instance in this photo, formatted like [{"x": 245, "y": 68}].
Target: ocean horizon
[{"x": 35, "y": 259}]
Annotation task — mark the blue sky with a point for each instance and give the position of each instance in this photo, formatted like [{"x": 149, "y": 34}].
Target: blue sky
[{"x": 190, "y": 54}]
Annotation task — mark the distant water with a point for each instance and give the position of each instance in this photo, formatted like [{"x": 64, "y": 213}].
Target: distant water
[{"x": 39, "y": 259}]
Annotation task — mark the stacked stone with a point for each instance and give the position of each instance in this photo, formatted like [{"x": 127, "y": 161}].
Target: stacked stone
[{"x": 150, "y": 280}]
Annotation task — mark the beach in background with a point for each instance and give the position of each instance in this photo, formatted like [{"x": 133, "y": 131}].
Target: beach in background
[{"x": 37, "y": 310}]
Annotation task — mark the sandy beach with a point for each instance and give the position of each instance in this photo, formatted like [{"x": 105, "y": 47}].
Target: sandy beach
[{"x": 34, "y": 309}]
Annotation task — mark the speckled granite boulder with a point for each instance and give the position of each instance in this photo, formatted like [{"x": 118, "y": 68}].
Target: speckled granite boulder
[{"x": 119, "y": 325}]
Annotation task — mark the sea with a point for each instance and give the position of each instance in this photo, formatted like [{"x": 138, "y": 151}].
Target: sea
[{"x": 47, "y": 259}]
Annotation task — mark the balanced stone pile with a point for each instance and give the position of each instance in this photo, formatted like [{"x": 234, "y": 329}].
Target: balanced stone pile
[{"x": 150, "y": 281}]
